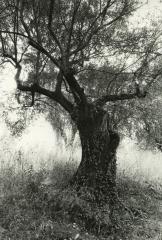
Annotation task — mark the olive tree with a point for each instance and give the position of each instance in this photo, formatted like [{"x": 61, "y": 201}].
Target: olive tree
[{"x": 66, "y": 38}]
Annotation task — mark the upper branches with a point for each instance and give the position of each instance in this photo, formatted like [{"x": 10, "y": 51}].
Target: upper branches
[
  {"x": 50, "y": 19},
  {"x": 123, "y": 96},
  {"x": 67, "y": 34},
  {"x": 101, "y": 19},
  {"x": 138, "y": 93},
  {"x": 35, "y": 88}
]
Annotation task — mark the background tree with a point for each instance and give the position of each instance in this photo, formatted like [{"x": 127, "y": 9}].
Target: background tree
[{"x": 67, "y": 37}]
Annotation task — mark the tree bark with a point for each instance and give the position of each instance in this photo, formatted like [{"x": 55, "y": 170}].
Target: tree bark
[{"x": 97, "y": 169}]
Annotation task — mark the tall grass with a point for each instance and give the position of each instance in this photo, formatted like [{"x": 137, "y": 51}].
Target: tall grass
[
  {"x": 35, "y": 202},
  {"x": 40, "y": 147},
  {"x": 143, "y": 165}
]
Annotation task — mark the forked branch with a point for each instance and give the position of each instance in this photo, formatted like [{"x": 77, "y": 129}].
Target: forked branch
[
  {"x": 76, "y": 89},
  {"x": 35, "y": 88},
  {"x": 138, "y": 93},
  {"x": 123, "y": 96}
]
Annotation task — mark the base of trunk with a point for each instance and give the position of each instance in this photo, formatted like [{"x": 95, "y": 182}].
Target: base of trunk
[{"x": 97, "y": 170}]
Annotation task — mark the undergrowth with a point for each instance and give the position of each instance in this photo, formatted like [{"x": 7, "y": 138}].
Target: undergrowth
[{"x": 41, "y": 205}]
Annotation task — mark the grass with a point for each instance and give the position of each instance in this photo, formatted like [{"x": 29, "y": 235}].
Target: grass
[
  {"x": 32, "y": 209},
  {"x": 36, "y": 203},
  {"x": 144, "y": 200},
  {"x": 39, "y": 205}
]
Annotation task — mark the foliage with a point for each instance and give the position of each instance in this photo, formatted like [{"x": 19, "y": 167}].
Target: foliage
[
  {"x": 137, "y": 119},
  {"x": 31, "y": 209},
  {"x": 78, "y": 52},
  {"x": 71, "y": 35}
]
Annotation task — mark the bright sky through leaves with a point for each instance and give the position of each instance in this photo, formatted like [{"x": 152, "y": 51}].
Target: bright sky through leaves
[{"x": 150, "y": 10}]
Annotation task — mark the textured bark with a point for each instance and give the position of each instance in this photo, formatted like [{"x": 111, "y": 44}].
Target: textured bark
[{"x": 97, "y": 169}]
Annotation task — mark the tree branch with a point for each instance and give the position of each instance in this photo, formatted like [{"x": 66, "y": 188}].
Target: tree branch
[
  {"x": 17, "y": 33},
  {"x": 50, "y": 18},
  {"x": 44, "y": 51},
  {"x": 35, "y": 88},
  {"x": 127, "y": 96},
  {"x": 35, "y": 45},
  {"x": 123, "y": 96},
  {"x": 59, "y": 82},
  {"x": 75, "y": 88},
  {"x": 22, "y": 5},
  {"x": 51, "y": 94},
  {"x": 72, "y": 25},
  {"x": 93, "y": 31}
]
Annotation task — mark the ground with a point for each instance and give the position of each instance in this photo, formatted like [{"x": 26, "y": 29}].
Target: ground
[{"x": 41, "y": 206}]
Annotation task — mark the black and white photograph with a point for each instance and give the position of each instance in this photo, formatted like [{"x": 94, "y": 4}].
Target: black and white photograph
[{"x": 80, "y": 119}]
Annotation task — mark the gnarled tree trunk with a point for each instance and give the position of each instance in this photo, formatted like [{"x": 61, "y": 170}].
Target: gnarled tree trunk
[{"x": 97, "y": 169}]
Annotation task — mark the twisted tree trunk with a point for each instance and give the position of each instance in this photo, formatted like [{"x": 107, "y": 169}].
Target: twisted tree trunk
[{"x": 97, "y": 169}]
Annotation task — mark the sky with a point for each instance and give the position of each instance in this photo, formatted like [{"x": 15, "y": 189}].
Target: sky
[
  {"x": 149, "y": 11},
  {"x": 40, "y": 135}
]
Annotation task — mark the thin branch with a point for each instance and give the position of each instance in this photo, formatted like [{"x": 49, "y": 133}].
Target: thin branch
[
  {"x": 75, "y": 88},
  {"x": 90, "y": 32},
  {"x": 44, "y": 102},
  {"x": 22, "y": 6},
  {"x": 72, "y": 25},
  {"x": 35, "y": 45},
  {"x": 59, "y": 82},
  {"x": 43, "y": 66},
  {"x": 52, "y": 95},
  {"x": 113, "y": 98},
  {"x": 23, "y": 53},
  {"x": 14, "y": 60},
  {"x": 43, "y": 50},
  {"x": 35, "y": 88},
  {"x": 17, "y": 33},
  {"x": 127, "y": 96},
  {"x": 37, "y": 67},
  {"x": 2, "y": 42},
  {"x": 15, "y": 28},
  {"x": 51, "y": 9}
]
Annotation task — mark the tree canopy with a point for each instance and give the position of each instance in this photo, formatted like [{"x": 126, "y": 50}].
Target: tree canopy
[{"x": 80, "y": 52}]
